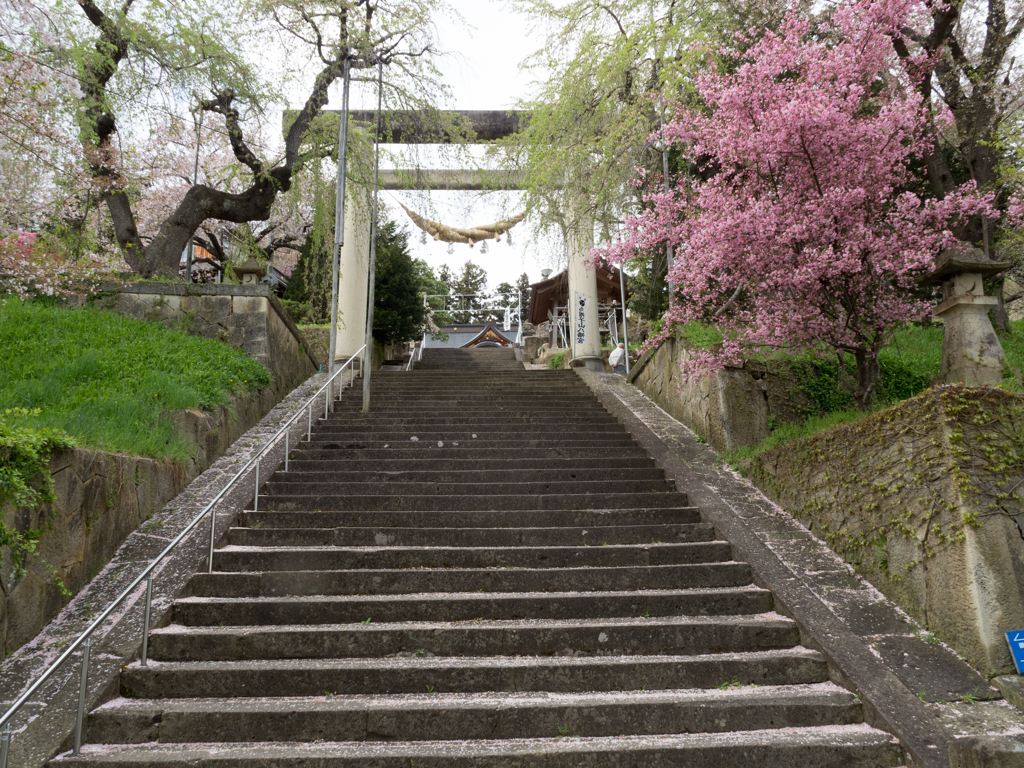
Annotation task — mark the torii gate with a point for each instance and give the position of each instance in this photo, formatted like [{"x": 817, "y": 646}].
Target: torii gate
[{"x": 353, "y": 274}]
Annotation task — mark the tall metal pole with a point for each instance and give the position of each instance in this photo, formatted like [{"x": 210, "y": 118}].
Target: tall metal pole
[
  {"x": 373, "y": 240},
  {"x": 339, "y": 216},
  {"x": 625, "y": 337},
  {"x": 195, "y": 182}
]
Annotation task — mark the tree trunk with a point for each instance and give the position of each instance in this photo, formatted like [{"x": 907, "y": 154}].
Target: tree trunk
[
  {"x": 867, "y": 378},
  {"x": 127, "y": 233},
  {"x": 163, "y": 255}
]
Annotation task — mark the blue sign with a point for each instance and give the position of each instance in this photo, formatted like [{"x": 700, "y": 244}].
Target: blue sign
[{"x": 1016, "y": 641}]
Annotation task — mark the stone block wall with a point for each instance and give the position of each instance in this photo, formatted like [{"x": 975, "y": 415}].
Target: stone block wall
[
  {"x": 728, "y": 409},
  {"x": 926, "y": 500},
  {"x": 249, "y": 317},
  {"x": 100, "y": 499}
]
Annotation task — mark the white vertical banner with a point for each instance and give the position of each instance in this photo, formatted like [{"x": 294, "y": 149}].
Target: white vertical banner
[
  {"x": 581, "y": 332},
  {"x": 508, "y": 319}
]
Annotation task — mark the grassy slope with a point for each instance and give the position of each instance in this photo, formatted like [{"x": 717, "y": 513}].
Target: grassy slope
[{"x": 105, "y": 379}]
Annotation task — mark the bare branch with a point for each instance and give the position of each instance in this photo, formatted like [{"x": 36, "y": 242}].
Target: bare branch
[{"x": 222, "y": 103}]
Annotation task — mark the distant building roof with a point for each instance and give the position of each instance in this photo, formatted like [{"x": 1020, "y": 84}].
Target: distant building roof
[{"x": 467, "y": 335}]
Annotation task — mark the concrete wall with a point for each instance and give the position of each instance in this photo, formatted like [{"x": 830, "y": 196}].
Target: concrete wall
[
  {"x": 728, "y": 409},
  {"x": 249, "y": 317},
  {"x": 100, "y": 499},
  {"x": 926, "y": 500}
]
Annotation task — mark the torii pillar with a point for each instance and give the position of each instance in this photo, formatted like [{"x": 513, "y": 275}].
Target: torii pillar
[
  {"x": 353, "y": 276},
  {"x": 585, "y": 339}
]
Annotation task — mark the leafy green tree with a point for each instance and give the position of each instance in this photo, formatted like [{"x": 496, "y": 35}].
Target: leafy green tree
[
  {"x": 472, "y": 281},
  {"x": 506, "y": 294},
  {"x": 431, "y": 285},
  {"x": 398, "y": 311}
]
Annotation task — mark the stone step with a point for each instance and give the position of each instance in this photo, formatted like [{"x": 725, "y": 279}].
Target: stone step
[
  {"x": 479, "y": 475},
  {"x": 496, "y": 401},
  {"x": 482, "y": 389},
  {"x": 538, "y": 374},
  {"x": 466, "y": 537},
  {"x": 494, "y": 420},
  {"x": 370, "y": 431},
  {"x": 849, "y": 746},
  {"x": 355, "y": 451},
  {"x": 283, "y": 485},
  {"x": 477, "y": 716},
  {"x": 500, "y": 380},
  {"x": 425, "y": 503},
  {"x": 252, "y": 559},
  {"x": 404, "y": 581},
  {"x": 449, "y": 606},
  {"x": 413, "y": 672},
  {"x": 513, "y": 446},
  {"x": 576, "y": 518},
  {"x": 332, "y": 463},
  {"x": 512, "y": 396},
  {"x": 674, "y": 635},
  {"x": 382, "y": 582},
  {"x": 469, "y": 406}
]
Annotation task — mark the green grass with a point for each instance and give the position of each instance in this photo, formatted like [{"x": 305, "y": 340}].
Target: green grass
[{"x": 105, "y": 379}]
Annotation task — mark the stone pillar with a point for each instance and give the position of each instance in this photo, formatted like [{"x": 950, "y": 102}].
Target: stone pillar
[
  {"x": 971, "y": 352},
  {"x": 585, "y": 338},
  {"x": 353, "y": 273}
]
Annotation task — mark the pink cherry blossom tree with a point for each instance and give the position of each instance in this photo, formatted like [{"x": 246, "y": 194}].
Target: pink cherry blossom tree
[{"x": 796, "y": 229}]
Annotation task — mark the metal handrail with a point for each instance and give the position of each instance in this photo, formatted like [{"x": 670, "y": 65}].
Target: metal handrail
[
  {"x": 415, "y": 357},
  {"x": 84, "y": 639}
]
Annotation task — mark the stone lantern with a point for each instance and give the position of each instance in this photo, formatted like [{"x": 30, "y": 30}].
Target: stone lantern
[
  {"x": 971, "y": 352},
  {"x": 250, "y": 271}
]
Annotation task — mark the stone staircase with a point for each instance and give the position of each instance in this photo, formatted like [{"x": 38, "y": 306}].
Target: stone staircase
[
  {"x": 485, "y": 359},
  {"x": 484, "y": 571}
]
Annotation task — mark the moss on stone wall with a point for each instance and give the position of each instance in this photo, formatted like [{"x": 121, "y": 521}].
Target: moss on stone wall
[{"x": 926, "y": 499}]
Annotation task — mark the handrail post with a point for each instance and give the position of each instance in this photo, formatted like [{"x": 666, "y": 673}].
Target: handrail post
[
  {"x": 83, "y": 689},
  {"x": 309, "y": 423},
  {"x": 145, "y": 623},
  {"x": 213, "y": 538},
  {"x": 287, "y": 434},
  {"x": 5, "y": 745},
  {"x": 256, "y": 495}
]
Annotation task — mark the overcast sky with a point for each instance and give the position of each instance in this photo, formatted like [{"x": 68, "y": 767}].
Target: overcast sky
[{"x": 483, "y": 73}]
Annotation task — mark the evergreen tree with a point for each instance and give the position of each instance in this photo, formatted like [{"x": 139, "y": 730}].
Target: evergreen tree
[
  {"x": 432, "y": 285},
  {"x": 523, "y": 288},
  {"x": 471, "y": 282},
  {"x": 398, "y": 311}
]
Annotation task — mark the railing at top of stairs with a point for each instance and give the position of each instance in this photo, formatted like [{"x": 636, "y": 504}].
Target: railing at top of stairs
[{"x": 85, "y": 638}]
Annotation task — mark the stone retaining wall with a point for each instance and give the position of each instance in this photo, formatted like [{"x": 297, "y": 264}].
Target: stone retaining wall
[
  {"x": 100, "y": 499},
  {"x": 45, "y": 723},
  {"x": 926, "y": 500},
  {"x": 728, "y": 409},
  {"x": 245, "y": 316}
]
